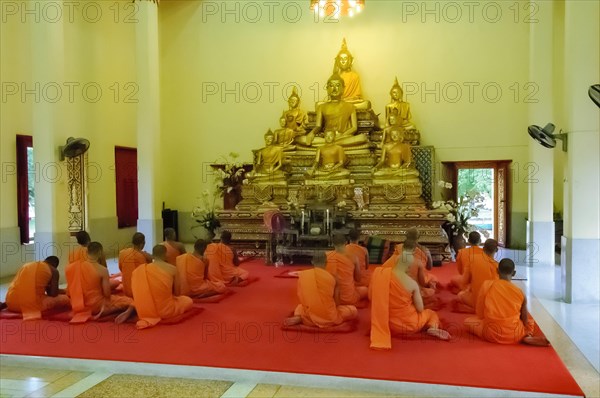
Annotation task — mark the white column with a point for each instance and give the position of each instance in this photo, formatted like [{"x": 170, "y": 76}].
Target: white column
[
  {"x": 581, "y": 255},
  {"x": 540, "y": 224},
  {"x": 148, "y": 123},
  {"x": 51, "y": 192}
]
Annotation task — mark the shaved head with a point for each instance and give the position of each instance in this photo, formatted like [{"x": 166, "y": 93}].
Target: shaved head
[
  {"x": 506, "y": 266},
  {"x": 159, "y": 252}
]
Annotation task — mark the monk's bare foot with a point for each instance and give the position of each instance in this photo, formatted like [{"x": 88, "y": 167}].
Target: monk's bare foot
[
  {"x": 293, "y": 320},
  {"x": 99, "y": 314},
  {"x": 536, "y": 341},
  {"x": 125, "y": 315},
  {"x": 439, "y": 333}
]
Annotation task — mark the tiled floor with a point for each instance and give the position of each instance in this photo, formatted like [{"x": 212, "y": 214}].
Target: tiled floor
[{"x": 573, "y": 330}]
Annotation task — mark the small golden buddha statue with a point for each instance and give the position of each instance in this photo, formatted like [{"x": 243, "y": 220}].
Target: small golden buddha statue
[
  {"x": 398, "y": 107},
  {"x": 328, "y": 167},
  {"x": 335, "y": 115},
  {"x": 267, "y": 165},
  {"x": 284, "y": 137},
  {"x": 352, "y": 89},
  {"x": 392, "y": 125},
  {"x": 296, "y": 118},
  {"x": 396, "y": 164}
]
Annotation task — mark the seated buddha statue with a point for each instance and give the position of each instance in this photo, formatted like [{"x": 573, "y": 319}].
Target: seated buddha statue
[
  {"x": 391, "y": 125},
  {"x": 335, "y": 115},
  {"x": 296, "y": 118},
  {"x": 328, "y": 167},
  {"x": 398, "y": 107},
  {"x": 352, "y": 90},
  {"x": 267, "y": 164},
  {"x": 284, "y": 137},
  {"x": 396, "y": 164}
]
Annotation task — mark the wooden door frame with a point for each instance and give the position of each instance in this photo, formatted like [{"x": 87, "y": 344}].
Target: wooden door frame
[{"x": 502, "y": 201}]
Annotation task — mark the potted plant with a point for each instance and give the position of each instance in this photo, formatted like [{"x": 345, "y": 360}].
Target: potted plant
[
  {"x": 230, "y": 176},
  {"x": 205, "y": 215}
]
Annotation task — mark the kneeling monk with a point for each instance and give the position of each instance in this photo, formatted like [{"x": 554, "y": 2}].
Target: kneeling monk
[
  {"x": 192, "y": 270},
  {"x": 502, "y": 311},
  {"x": 152, "y": 286},
  {"x": 89, "y": 287},
  {"x": 354, "y": 250},
  {"x": 397, "y": 306},
  {"x": 346, "y": 271},
  {"x": 223, "y": 262},
  {"x": 35, "y": 289},
  {"x": 319, "y": 298}
]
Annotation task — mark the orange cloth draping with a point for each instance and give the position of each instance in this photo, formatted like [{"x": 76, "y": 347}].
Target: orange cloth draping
[
  {"x": 362, "y": 256},
  {"x": 342, "y": 268},
  {"x": 191, "y": 270},
  {"x": 130, "y": 259},
  {"x": 480, "y": 269},
  {"x": 221, "y": 267},
  {"x": 78, "y": 254},
  {"x": 172, "y": 252}
]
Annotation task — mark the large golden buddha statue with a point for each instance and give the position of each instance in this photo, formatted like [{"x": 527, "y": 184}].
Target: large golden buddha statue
[
  {"x": 267, "y": 164},
  {"x": 328, "y": 167},
  {"x": 395, "y": 164},
  {"x": 337, "y": 116},
  {"x": 352, "y": 90},
  {"x": 399, "y": 108}
]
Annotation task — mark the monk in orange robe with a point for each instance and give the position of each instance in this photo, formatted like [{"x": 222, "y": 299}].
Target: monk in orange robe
[
  {"x": 88, "y": 287},
  {"x": 35, "y": 289},
  {"x": 502, "y": 311},
  {"x": 192, "y": 271},
  {"x": 463, "y": 261},
  {"x": 478, "y": 270},
  {"x": 397, "y": 306},
  {"x": 346, "y": 272},
  {"x": 131, "y": 258},
  {"x": 223, "y": 262},
  {"x": 80, "y": 252},
  {"x": 361, "y": 255},
  {"x": 152, "y": 286},
  {"x": 318, "y": 293},
  {"x": 174, "y": 248}
]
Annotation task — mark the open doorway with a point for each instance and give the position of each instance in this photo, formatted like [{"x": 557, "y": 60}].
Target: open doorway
[{"x": 489, "y": 180}]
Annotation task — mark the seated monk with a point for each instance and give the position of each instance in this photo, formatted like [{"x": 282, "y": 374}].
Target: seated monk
[
  {"x": 192, "y": 272},
  {"x": 131, "y": 258},
  {"x": 318, "y": 293},
  {"x": 346, "y": 270},
  {"x": 361, "y": 254},
  {"x": 396, "y": 162},
  {"x": 267, "y": 167},
  {"x": 35, "y": 289},
  {"x": 223, "y": 262},
  {"x": 80, "y": 252},
  {"x": 153, "y": 285},
  {"x": 502, "y": 311},
  {"x": 417, "y": 258},
  {"x": 335, "y": 115},
  {"x": 463, "y": 261},
  {"x": 397, "y": 306},
  {"x": 89, "y": 288},
  {"x": 329, "y": 164},
  {"x": 174, "y": 248},
  {"x": 480, "y": 269}
]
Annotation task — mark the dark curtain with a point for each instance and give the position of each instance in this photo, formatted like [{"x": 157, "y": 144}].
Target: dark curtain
[
  {"x": 127, "y": 186},
  {"x": 23, "y": 142}
]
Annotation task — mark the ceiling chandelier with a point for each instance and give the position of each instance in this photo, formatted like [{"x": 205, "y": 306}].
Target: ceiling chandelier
[{"x": 337, "y": 8}]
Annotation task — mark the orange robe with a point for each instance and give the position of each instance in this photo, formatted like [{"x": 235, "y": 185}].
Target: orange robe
[
  {"x": 84, "y": 287},
  {"x": 190, "y": 270},
  {"x": 362, "y": 255},
  {"x": 220, "y": 264},
  {"x": 78, "y": 254},
  {"x": 499, "y": 313},
  {"x": 153, "y": 296},
  {"x": 463, "y": 262},
  {"x": 317, "y": 306},
  {"x": 393, "y": 311},
  {"x": 27, "y": 292},
  {"x": 479, "y": 270},
  {"x": 418, "y": 266},
  {"x": 341, "y": 267},
  {"x": 172, "y": 252},
  {"x": 130, "y": 259}
]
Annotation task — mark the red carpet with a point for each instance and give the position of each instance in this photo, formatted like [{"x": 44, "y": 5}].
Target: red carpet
[{"x": 244, "y": 331}]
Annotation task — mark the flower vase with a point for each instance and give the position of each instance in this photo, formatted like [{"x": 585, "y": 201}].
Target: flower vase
[
  {"x": 231, "y": 199},
  {"x": 458, "y": 242}
]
